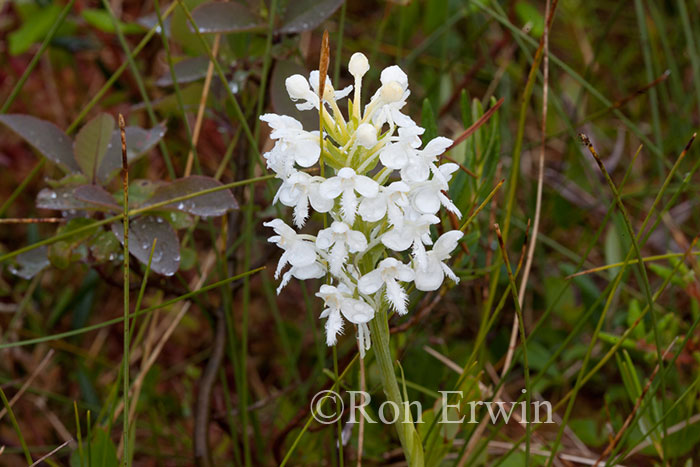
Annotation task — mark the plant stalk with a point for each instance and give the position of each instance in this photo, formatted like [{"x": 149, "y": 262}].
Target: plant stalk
[{"x": 410, "y": 441}]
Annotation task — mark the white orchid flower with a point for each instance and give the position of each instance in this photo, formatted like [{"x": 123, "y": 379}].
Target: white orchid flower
[
  {"x": 414, "y": 232},
  {"x": 294, "y": 144},
  {"x": 430, "y": 276},
  {"x": 300, "y": 189},
  {"x": 339, "y": 239},
  {"x": 390, "y": 202},
  {"x": 339, "y": 303},
  {"x": 298, "y": 251},
  {"x": 314, "y": 270},
  {"x": 397, "y": 155},
  {"x": 306, "y": 91},
  {"x": 347, "y": 182},
  {"x": 422, "y": 162},
  {"x": 427, "y": 197},
  {"x": 388, "y": 274},
  {"x": 387, "y": 102}
]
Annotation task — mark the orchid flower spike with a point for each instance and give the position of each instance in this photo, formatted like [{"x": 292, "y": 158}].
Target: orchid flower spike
[{"x": 380, "y": 188}]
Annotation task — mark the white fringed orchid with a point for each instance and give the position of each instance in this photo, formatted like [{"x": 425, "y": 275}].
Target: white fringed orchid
[
  {"x": 430, "y": 276},
  {"x": 339, "y": 303},
  {"x": 340, "y": 240},
  {"x": 380, "y": 191},
  {"x": 387, "y": 275}
]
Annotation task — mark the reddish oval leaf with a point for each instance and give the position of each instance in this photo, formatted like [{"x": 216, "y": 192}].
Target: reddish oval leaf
[
  {"x": 224, "y": 17},
  {"x": 207, "y": 205},
  {"x": 142, "y": 232},
  {"x": 45, "y": 137},
  {"x": 138, "y": 142},
  {"x": 96, "y": 196},
  {"x": 305, "y": 15}
]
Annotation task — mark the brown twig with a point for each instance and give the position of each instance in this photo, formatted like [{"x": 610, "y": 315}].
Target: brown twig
[
  {"x": 202, "y": 452},
  {"x": 40, "y": 220},
  {"x": 476, "y": 125}
]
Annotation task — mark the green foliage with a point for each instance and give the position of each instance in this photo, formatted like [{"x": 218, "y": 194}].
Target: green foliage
[{"x": 593, "y": 341}]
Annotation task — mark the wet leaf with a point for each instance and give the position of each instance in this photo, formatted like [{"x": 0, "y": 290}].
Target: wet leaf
[
  {"x": 186, "y": 71},
  {"x": 92, "y": 142},
  {"x": 71, "y": 249},
  {"x": 97, "y": 196},
  {"x": 29, "y": 263},
  {"x": 104, "y": 246},
  {"x": 138, "y": 142},
  {"x": 150, "y": 21},
  {"x": 178, "y": 219},
  {"x": 305, "y": 15},
  {"x": 224, "y": 17},
  {"x": 208, "y": 205},
  {"x": 142, "y": 232},
  {"x": 59, "y": 199},
  {"x": 45, "y": 137},
  {"x": 281, "y": 103},
  {"x": 141, "y": 190}
]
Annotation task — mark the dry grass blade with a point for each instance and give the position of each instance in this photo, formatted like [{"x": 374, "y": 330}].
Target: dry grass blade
[{"x": 29, "y": 381}]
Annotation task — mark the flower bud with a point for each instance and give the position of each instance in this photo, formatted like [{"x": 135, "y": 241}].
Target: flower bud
[
  {"x": 297, "y": 87},
  {"x": 391, "y": 92},
  {"x": 359, "y": 65},
  {"x": 366, "y": 135}
]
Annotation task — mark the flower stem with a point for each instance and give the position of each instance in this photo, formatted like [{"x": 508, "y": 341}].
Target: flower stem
[{"x": 410, "y": 441}]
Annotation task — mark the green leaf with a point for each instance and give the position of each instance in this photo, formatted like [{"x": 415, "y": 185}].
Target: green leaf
[
  {"x": 34, "y": 29},
  {"x": 209, "y": 205},
  {"x": 71, "y": 249},
  {"x": 529, "y": 14},
  {"x": 45, "y": 137},
  {"x": 428, "y": 121},
  {"x": 142, "y": 232},
  {"x": 225, "y": 17},
  {"x": 140, "y": 190},
  {"x": 305, "y": 15},
  {"x": 92, "y": 142},
  {"x": 101, "y": 19},
  {"x": 104, "y": 246}
]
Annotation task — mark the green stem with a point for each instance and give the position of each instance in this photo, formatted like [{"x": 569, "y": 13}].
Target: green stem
[{"x": 410, "y": 441}]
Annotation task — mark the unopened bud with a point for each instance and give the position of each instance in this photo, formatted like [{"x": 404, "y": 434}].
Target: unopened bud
[
  {"x": 366, "y": 135},
  {"x": 297, "y": 87},
  {"x": 391, "y": 92},
  {"x": 359, "y": 65}
]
